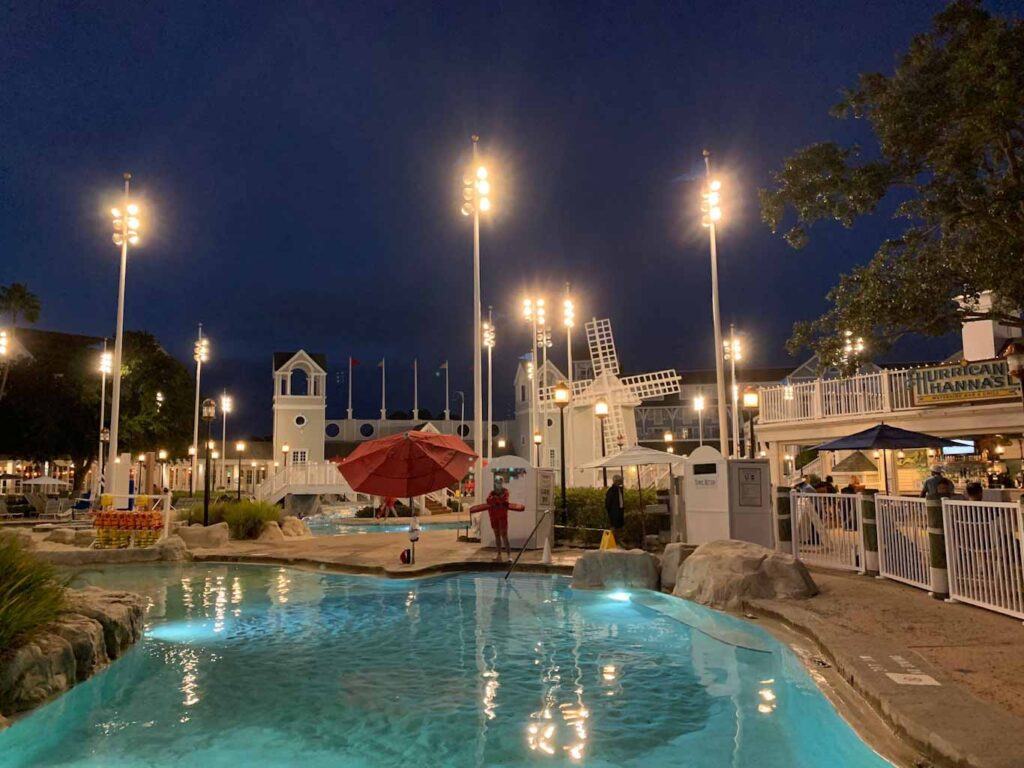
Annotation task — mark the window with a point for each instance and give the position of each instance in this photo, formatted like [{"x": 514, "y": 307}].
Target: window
[
  {"x": 300, "y": 420},
  {"x": 333, "y": 430},
  {"x": 551, "y": 457},
  {"x": 522, "y": 393},
  {"x": 366, "y": 430},
  {"x": 298, "y": 457}
]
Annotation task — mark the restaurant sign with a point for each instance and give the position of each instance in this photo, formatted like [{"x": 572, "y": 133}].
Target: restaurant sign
[{"x": 963, "y": 382}]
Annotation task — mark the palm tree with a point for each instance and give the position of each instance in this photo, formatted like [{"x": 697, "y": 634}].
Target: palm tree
[{"x": 16, "y": 299}]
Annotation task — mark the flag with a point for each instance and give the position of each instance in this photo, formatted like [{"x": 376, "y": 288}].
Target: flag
[
  {"x": 414, "y": 362},
  {"x": 443, "y": 366},
  {"x": 352, "y": 361},
  {"x": 381, "y": 363}
]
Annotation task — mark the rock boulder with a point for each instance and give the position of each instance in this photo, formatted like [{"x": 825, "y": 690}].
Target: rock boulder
[
  {"x": 671, "y": 559},
  {"x": 61, "y": 536},
  {"x": 616, "y": 569},
  {"x": 173, "y": 549},
  {"x": 24, "y": 536},
  {"x": 728, "y": 574},
  {"x": 85, "y": 636},
  {"x": 293, "y": 526},
  {"x": 271, "y": 533},
  {"x": 205, "y": 537},
  {"x": 84, "y": 537},
  {"x": 119, "y": 613},
  {"x": 38, "y": 670}
]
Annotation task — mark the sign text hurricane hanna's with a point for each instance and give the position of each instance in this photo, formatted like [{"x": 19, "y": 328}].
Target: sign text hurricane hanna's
[{"x": 983, "y": 380}]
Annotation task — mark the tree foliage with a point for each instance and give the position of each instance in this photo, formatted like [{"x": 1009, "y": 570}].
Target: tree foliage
[
  {"x": 949, "y": 125},
  {"x": 19, "y": 302},
  {"x": 52, "y": 408}
]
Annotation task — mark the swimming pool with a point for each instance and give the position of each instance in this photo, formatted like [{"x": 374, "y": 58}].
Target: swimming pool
[
  {"x": 336, "y": 527},
  {"x": 260, "y": 666}
]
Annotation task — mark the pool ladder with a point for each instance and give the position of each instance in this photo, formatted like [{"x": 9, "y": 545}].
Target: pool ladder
[{"x": 522, "y": 549}]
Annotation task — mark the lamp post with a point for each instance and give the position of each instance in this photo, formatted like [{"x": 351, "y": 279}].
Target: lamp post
[
  {"x": 227, "y": 404},
  {"x": 538, "y": 440},
  {"x": 733, "y": 353},
  {"x": 601, "y": 411},
  {"x": 712, "y": 197},
  {"x": 284, "y": 456},
  {"x": 489, "y": 343},
  {"x": 106, "y": 363},
  {"x": 209, "y": 414},
  {"x": 255, "y": 477},
  {"x": 162, "y": 455},
  {"x": 751, "y": 402},
  {"x": 126, "y": 232},
  {"x": 200, "y": 353},
  {"x": 239, "y": 450},
  {"x": 698, "y": 406},
  {"x": 569, "y": 321},
  {"x": 561, "y": 395},
  {"x": 476, "y": 196}
]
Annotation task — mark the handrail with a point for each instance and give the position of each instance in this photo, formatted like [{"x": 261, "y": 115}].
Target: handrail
[{"x": 522, "y": 549}]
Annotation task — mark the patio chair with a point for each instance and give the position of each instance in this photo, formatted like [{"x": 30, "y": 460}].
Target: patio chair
[{"x": 5, "y": 513}]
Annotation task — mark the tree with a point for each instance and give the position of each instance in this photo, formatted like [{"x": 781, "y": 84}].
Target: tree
[
  {"x": 16, "y": 299},
  {"x": 949, "y": 125}
]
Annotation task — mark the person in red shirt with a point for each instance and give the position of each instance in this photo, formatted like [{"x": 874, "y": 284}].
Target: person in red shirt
[{"x": 497, "y": 507}]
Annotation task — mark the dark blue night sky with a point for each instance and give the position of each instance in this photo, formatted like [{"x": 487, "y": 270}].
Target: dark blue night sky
[{"x": 300, "y": 168}]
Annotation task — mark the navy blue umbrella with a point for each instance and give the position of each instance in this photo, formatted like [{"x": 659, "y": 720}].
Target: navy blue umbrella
[{"x": 884, "y": 437}]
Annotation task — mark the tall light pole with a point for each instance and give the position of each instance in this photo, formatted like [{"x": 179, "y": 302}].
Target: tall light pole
[
  {"x": 476, "y": 193},
  {"x": 569, "y": 320},
  {"x": 535, "y": 314},
  {"x": 489, "y": 343},
  {"x": 562, "y": 395},
  {"x": 200, "y": 353},
  {"x": 601, "y": 411},
  {"x": 712, "y": 197},
  {"x": 106, "y": 366},
  {"x": 126, "y": 232},
  {"x": 698, "y": 406},
  {"x": 226, "y": 406},
  {"x": 733, "y": 352}
]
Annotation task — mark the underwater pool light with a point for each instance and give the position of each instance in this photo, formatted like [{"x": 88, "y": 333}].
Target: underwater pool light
[{"x": 619, "y": 595}]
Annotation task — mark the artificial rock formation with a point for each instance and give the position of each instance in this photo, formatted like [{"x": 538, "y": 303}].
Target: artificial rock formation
[
  {"x": 616, "y": 569},
  {"x": 204, "y": 536},
  {"x": 271, "y": 533},
  {"x": 294, "y": 527},
  {"x": 97, "y": 625},
  {"x": 728, "y": 574},
  {"x": 673, "y": 556}
]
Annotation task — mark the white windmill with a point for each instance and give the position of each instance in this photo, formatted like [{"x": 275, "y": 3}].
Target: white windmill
[{"x": 618, "y": 391}]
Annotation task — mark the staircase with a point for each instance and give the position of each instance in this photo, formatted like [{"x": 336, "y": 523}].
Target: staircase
[{"x": 313, "y": 478}]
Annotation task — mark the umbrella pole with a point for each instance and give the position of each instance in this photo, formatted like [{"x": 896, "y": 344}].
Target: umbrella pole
[{"x": 643, "y": 519}]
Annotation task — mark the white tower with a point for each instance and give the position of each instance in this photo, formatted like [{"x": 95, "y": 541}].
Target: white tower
[{"x": 300, "y": 406}]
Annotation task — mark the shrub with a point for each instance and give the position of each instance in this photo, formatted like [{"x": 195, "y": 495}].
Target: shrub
[
  {"x": 586, "y": 510},
  {"x": 454, "y": 505},
  {"x": 365, "y": 511},
  {"x": 31, "y": 594},
  {"x": 245, "y": 518}
]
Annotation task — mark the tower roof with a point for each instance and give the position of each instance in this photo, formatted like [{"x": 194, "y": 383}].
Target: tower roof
[{"x": 282, "y": 358}]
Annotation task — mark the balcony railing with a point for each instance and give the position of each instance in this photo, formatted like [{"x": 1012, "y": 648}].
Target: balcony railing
[{"x": 883, "y": 392}]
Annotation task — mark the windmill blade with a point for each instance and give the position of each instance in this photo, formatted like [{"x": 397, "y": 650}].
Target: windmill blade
[
  {"x": 602, "y": 347},
  {"x": 647, "y": 386}
]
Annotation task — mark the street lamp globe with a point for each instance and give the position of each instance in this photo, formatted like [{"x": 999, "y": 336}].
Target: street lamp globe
[
  {"x": 668, "y": 437},
  {"x": 240, "y": 446},
  {"x": 162, "y": 455},
  {"x": 538, "y": 438},
  {"x": 751, "y": 399},
  {"x": 209, "y": 410},
  {"x": 698, "y": 403},
  {"x": 561, "y": 394},
  {"x": 601, "y": 409}
]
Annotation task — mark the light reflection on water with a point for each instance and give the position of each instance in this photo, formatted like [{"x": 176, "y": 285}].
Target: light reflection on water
[{"x": 270, "y": 666}]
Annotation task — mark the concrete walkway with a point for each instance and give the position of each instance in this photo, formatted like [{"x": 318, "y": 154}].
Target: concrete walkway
[{"x": 949, "y": 678}]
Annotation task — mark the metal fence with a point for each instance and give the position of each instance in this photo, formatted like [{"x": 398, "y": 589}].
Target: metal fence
[
  {"x": 903, "y": 539},
  {"x": 827, "y": 530},
  {"x": 983, "y": 554}
]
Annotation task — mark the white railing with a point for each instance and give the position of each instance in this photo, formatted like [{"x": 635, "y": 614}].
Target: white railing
[
  {"x": 868, "y": 393},
  {"x": 319, "y": 474},
  {"x": 983, "y": 554},
  {"x": 903, "y": 539},
  {"x": 827, "y": 530}
]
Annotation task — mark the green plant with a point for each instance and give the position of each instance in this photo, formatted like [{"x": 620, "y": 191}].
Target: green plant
[
  {"x": 589, "y": 519},
  {"x": 245, "y": 518},
  {"x": 31, "y": 594}
]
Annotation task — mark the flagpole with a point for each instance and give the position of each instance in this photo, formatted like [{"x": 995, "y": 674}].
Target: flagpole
[
  {"x": 350, "y": 387},
  {"x": 447, "y": 397},
  {"x": 383, "y": 389},
  {"x": 415, "y": 390}
]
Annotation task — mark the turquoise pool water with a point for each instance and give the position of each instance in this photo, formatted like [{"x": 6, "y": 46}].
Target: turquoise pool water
[
  {"x": 255, "y": 666},
  {"x": 335, "y": 527}
]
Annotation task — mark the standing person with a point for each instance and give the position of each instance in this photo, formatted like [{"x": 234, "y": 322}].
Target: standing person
[
  {"x": 615, "y": 506},
  {"x": 497, "y": 507},
  {"x": 830, "y": 486},
  {"x": 930, "y": 489}
]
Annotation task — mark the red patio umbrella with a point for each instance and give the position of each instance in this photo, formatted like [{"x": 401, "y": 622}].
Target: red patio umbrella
[{"x": 407, "y": 464}]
